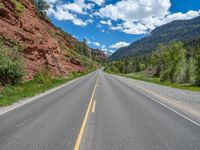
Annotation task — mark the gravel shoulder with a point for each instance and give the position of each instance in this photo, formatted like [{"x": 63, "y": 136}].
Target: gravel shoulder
[{"x": 186, "y": 102}]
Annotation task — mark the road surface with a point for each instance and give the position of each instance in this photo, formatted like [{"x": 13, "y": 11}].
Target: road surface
[{"x": 96, "y": 112}]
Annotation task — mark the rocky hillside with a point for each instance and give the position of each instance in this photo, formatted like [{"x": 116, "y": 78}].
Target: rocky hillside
[
  {"x": 99, "y": 56},
  {"x": 44, "y": 45},
  {"x": 181, "y": 30}
]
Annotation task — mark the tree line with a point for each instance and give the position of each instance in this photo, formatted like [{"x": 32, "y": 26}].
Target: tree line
[{"x": 176, "y": 62}]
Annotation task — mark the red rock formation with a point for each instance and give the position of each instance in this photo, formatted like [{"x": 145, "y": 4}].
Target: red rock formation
[{"x": 41, "y": 49}]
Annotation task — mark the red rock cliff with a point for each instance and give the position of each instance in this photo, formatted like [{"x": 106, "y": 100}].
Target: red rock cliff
[{"x": 41, "y": 49}]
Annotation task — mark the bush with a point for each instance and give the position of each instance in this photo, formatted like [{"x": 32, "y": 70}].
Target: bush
[
  {"x": 173, "y": 60},
  {"x": 197, "y": 66},
  {"x": 19, "y": 7},
  {"x": 11, "y": 68},
  {"x": 43, "y": 77},
  {"x": 190, "y": 71},
  {"x": 2, "y": 5}
]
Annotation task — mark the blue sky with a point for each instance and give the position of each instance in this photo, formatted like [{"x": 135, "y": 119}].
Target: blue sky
[{"x": 111, "y": 24}]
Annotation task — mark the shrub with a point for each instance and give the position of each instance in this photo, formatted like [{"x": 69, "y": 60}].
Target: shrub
[
  {"x": 197, "y": 66},
  {"x": 190, "y": 71},
  {"x": 173, "y": 60},
  {"x": 19, "y": 7},
  {"x": 2, "y": 5},
  {"x": 43, "y": 77},
  {"x": 11, "y": 68}
]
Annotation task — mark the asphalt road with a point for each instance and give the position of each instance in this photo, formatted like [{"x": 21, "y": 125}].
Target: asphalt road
[{"x": 97, "y": 112}]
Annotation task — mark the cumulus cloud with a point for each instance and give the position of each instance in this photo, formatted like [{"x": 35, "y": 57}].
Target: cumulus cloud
[
  {"x": 93, "y": 43},
  {"x": 70, "y": 11},
  {"x": 51, "y": 1},
  {"x": 108, "y": 22},
  {"x": 96, "y": 43},
  {"x": 128, "y": 16},
  {"x": 98, "y": 2},
  {"x": 135, "y": 9},
  {"x": 141, "y": 16},
  {"x": 119, "y": 45}
]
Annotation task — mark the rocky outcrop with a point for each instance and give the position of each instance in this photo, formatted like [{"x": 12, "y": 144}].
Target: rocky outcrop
[
  {"x": 41, "y": 49},
  {"x": 99, "y": 55}
]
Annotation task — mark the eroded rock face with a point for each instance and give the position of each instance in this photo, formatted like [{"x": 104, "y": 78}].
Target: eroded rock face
[{"x": 41, "y": 49}]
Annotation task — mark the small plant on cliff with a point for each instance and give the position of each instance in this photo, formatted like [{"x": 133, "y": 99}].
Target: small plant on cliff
[
  {"x": 11, "y": 68},
  {"x": 19, "y": 7},
  {"x": 2, "y": 5}
]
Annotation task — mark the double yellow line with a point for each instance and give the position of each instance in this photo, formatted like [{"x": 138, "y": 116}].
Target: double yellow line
[{"x": 78, "y": 141}]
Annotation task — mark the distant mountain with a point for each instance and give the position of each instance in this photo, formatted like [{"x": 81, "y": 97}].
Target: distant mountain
[{"x": 182, "y": 30}]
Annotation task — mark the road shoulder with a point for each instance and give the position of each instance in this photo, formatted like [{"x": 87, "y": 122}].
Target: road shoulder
[
  {"x": 25, "y": 101},
  {"x": 188, "y": 107}
]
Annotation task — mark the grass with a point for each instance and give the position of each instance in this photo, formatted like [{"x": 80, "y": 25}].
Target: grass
[
  {"x": 11, "y": 94},
  {"x": 156, "y": 80},
  {"x": 19, "y": 7}
]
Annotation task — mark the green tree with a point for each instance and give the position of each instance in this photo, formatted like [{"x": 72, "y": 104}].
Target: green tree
[
  {"x": 42, "y": 7},
  {"x": 11, "y": 68},
  {"x": 190, "y": 71},
  {"x": 174, "y": 62},
  {"x": 197, "y": 66}
]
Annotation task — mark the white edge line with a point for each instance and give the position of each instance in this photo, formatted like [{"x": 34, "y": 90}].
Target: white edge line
[
  {"x": 28, "y": 100},
  {"x": 166, "y": 106}
]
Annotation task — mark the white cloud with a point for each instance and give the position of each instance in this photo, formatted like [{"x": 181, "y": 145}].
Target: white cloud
[
  {"x": 51, "y": 1},
  {"x": 93, "y": 43},
  {"x": 60, "y": 14},
  {"x": 119, "y": 44},
  {"x": 128, "y": 16},
  {"x": 98, "y": 2},
  {"x": 108, "y": 22},
  {"x": 96, "y": 43},
  {"x": 135, "y": 9},
  {"x": 141, "y": 16},
  {"x": 69, "y": 11}
]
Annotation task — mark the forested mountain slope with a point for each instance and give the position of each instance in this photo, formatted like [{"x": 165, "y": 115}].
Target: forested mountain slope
[{"x": 181, "y": 30}]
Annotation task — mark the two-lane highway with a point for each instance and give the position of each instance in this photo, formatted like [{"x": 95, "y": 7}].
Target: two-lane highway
[
  {"x": 125, "y": 119},
  {"x": 97, "y": 112},
  {"x": 49, "y": 123}
]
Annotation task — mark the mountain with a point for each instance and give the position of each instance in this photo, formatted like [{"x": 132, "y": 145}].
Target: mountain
[
  {"x": 43, "y": 45},
  {"x": 181, "y": 30}
]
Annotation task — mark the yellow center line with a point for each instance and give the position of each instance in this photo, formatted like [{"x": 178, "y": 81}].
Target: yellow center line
[
  {"x": 78, "y": 141},
  {"x": 93, "y": 108}
]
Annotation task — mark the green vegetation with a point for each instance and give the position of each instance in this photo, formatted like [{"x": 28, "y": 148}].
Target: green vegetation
[
  {"x": 2, "y": 5},
  {"x": 78, "y": 50},
  {"x": 156, "y": 80},
  {"x": 11, "y": 67},
  {"x": 181, "y": 30},
  {"x": 176, "y": 65},
  {"x": 11, "y": 73},
  {"x": 12, "y": 87},
  {"x": 19, "y": 7},
  {"x": 197, "y": 66},
  {"x": 86, "y": 62},
  {"x": 170, "y": 62},
  {"x": 42, "y": 7},
  {"x": 41, "y": 83}
]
